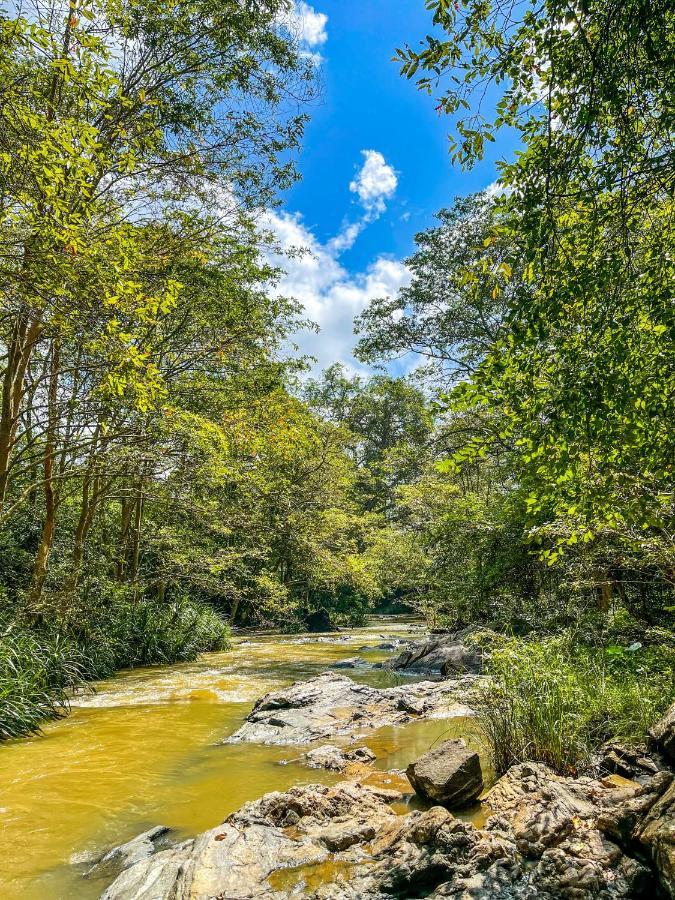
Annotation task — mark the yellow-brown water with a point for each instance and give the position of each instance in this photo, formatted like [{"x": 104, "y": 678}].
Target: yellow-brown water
[{"x": 146, "y": 749}]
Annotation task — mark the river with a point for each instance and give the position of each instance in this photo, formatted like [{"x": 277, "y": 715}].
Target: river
[{"x": 146, "y": 748}]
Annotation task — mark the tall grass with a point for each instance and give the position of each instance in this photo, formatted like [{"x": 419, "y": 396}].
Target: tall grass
[
  {"x": 554, "y": 701},
  {"x": 39, "y": 669}
]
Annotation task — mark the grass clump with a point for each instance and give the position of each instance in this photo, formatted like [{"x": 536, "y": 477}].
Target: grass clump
[{"x": 555, "y": 701}]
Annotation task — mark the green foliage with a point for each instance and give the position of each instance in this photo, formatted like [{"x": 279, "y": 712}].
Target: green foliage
[{"x": 556, "y": 701}]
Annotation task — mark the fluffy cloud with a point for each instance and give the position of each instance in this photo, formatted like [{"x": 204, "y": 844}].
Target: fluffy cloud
[
  {"x": 375, "y": 182},
  {"x": 308, "y": 26},
  {"x": 331, "y": 295}
]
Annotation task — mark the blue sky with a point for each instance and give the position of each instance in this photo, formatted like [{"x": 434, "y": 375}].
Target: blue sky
[{"x": 375, "y": 167}]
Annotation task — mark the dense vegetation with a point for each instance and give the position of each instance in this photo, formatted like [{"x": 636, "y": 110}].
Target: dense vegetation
[{"x": 164, "y": 467}]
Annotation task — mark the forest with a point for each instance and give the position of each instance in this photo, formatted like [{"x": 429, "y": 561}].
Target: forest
[{"x": 170, "y": 467}]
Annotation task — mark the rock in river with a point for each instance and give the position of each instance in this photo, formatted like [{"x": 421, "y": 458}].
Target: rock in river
[
  {"x": 441, "y": 654},
  {"x": 449, "y": 774},
  {"x": 336, "y": 759},
  {"x": 333, "y": 704}
]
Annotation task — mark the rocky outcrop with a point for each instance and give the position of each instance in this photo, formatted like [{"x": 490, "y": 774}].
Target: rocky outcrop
[
  {"x": 337, "y": 759},
  {"x": 442, "y": 654},
  {"x": 346, "y": 843},
  {"x": 332, "y": 704},
  {"x": 302, "y": 827},
  {"x": 657, "y": 834},
  {"x": 449, "y": 774},
  {"x": 662, "y": 735},
  {"x": 630, "y": 762}
]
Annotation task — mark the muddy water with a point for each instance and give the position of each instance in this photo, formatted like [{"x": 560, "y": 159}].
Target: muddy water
[{"x": 147, "y": 749}]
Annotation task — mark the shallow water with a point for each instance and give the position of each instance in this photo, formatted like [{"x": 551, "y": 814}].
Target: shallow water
[{"x": 146, "y": 749}]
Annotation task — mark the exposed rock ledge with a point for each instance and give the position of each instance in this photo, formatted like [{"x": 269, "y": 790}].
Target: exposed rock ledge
[
  {"x": 546, "y": 840},
  {"x": 332, "y": 704}
]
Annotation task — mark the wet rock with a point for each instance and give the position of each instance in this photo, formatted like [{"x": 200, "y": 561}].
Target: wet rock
[
  {"x": 337, "y": 759},
  {"x": 332, "y": 704},
  {"x": 346, "y": 843},
  {"x": 137, "y": 849},
  {"x": 442, "y": 654},
  {"x": 350, "y": 663},
  {"x": 662, "y": 735},
  {"x": 449, "y": 774}
]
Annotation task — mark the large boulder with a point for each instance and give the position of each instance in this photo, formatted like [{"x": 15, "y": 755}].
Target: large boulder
[
  {"x": 333, "y": 704},
  {"x": 441, "y": 654},
  {"x": 662, "y": 735},
  {"x": 449, "y": 774}
]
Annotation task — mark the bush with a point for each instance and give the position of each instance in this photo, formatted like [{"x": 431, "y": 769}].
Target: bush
[
  {"x": 37, "y": 670},
  {"x": 40, "y": 668},
  {"x": 555, "y": 701}
]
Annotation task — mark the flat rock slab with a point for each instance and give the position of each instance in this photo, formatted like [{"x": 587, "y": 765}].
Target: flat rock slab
[
  {"x": 449, "y": 774},
  {"x": 332, "y": 704}
]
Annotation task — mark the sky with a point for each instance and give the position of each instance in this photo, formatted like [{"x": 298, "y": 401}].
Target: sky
[{"x": 375, "y": 167}]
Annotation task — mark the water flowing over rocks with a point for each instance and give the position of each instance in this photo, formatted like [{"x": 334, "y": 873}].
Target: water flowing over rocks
[
  {"x": 449, "y": 774},
  {"x": 332, "y": 704},
  {"x": 545, "y": 841}
]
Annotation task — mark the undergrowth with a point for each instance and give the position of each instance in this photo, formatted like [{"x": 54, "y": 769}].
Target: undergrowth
[{"x": 555, "y": 701}]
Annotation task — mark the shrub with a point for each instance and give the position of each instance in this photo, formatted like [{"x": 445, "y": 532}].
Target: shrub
[{"x": 555, "y": 701}]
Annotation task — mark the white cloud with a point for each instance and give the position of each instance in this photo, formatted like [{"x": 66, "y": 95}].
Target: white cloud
[
  {"x": 308, "y": 27},
  {"x": 375, "y": 182},
  {"x": 331, "y": 295}
]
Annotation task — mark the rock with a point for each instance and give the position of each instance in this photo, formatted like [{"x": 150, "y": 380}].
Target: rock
[
  {"x": 662, "y": 735},
  {"x": 319, "y": 620},
  {"x": 235, "y": 859},
  {"x": 332, "y": 704},
  {"x": 345, "y": 843},
  {"x": 621, "y": 822},
  {"x": 351, "y": 663},
  {"x": 139, "y": 848},
  {"x": 541, "y": 808},
  {"x": 450, "y": 774},
  {"x": 657, "y": 834},
  {"x": 442, "y": 654},
  {"x": 628, "y": 762},
  {"x": 336, "y": 759}
]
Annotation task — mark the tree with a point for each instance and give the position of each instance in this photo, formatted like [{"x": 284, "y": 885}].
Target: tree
[{"x": 584, "y": 375}]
